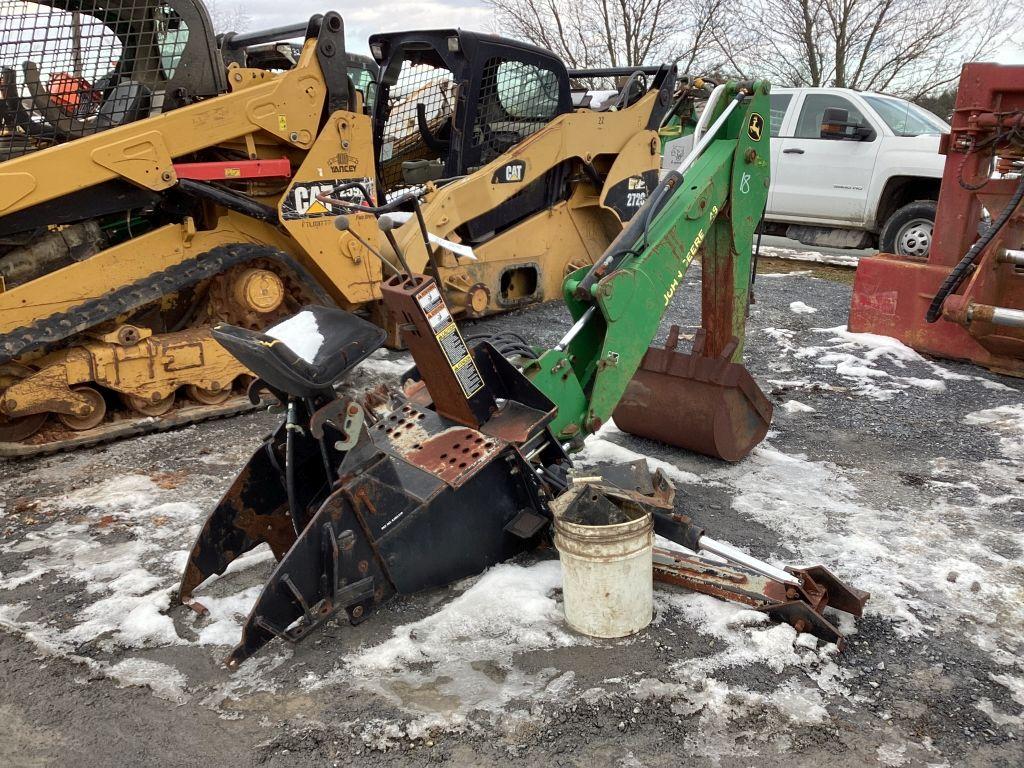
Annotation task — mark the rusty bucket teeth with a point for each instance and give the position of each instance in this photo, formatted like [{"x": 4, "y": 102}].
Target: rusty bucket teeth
[{"x": 702, "y": 404}]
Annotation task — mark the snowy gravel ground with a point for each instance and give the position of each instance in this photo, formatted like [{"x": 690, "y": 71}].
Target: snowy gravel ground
[{"x": 903, "y": 475}]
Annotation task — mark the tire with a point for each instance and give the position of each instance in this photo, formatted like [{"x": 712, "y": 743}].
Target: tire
[{"x": 908, "y": 231}]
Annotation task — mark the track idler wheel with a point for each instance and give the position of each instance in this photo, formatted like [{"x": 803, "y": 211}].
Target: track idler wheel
[
  {"x": 93, "y": 418},
  {"x": 17, "y": 428},
  {"x": 20, "y": 428},
  {"x": 208, "y": 396},
  {"x": 149, "y": 407},
  {"x": 707, "y": 405}
]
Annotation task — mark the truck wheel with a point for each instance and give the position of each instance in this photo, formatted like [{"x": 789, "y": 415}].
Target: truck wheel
[{"x": 908, "y": 232}]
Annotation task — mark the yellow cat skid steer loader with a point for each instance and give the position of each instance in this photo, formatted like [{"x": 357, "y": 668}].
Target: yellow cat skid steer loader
[
  {"x": 557, "y": 183},
  {"x": 155, "y": 181}
]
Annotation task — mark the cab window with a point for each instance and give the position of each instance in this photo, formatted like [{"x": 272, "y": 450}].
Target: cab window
[
  {"x": 813, "y": 110},
  {"x": 525, "y": 91},
  {"x": 516, "y": 99},
  {"x": 779, "y": 104},
  {"x": 171, "y": 37}
]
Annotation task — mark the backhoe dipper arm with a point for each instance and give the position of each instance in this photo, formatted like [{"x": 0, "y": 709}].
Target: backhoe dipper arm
[{"x": 709, "y": 206}]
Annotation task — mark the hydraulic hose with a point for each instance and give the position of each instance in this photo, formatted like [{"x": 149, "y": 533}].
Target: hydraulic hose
[
  {"x": 292, "y": 426},
  {"x": 959, "y": 273}
]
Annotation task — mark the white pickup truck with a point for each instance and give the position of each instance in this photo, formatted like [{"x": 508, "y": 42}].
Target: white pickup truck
[{"x": 849, "y": 169}]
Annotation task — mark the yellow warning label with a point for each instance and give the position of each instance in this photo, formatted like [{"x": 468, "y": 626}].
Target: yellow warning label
[
  {"x": 232, "y": 173},
  {"x": 282, "y": 123},
  {"x": 468, "y": 375}
]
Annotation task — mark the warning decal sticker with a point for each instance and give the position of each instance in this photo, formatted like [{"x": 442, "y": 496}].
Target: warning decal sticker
[
  {"x": 300, "y": 201},
  {"x": 450, "y": 340}
]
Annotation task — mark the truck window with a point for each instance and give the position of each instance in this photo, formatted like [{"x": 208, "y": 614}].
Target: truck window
[
  {"x": 815, "y": 104},
  {"x": 779, "y": 105},
  {"x": 906, "y": 119}
]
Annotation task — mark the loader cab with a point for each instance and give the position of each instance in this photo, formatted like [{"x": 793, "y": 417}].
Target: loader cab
[
  {"x": 70, "y": 68},
  {"x": 451, "y": 101}
]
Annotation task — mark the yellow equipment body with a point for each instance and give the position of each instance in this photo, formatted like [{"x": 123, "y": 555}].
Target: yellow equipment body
[{"x": 142, "y": 205}]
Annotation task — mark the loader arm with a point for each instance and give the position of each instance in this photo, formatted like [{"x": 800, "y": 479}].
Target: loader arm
[
  {"x": 454, "y": 204},
  {"x": 710, "y": 208},
  {"x": 544, "y": 246},
  {"x": 289, "y": 107}
]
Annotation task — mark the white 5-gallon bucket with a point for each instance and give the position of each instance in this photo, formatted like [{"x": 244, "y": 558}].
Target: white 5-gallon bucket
[{"x": 607, "y": 582}]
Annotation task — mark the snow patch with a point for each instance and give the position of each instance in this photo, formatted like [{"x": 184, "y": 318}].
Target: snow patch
[
  {"x": 300, "y": 333},
  {"x": 873, "y": 366},
  {"x": 800, "y": 308},
  {"x": 795, "y": 406},
  {"x": 923, "y": 573},
  {"x": 599, "y": 448},
  {"x": 745, "y": 637},
  {"x": 893, "y": 755},
  {"x": 381, "y": 364},
  {"x": 793, "y": 254},
  {"x": 1008, "y": 421},
  {"x": 164, "y": 680},
  {"x": 506, "y": 609},
  {"x": 116, "y": 550},
  {"x": 459, "y": 659},
  {"x": 794, "y": 273}
]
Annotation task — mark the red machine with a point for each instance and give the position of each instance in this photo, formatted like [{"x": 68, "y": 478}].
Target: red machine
[{"x": 966, "y": 302}]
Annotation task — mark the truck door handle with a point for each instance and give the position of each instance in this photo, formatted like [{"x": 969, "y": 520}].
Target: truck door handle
[{"x": 792, "y": 151}]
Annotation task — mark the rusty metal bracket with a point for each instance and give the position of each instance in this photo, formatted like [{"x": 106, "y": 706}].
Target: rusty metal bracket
[
  {"x": 344, "y": 415},
  {"x": 802, "y": 607}
]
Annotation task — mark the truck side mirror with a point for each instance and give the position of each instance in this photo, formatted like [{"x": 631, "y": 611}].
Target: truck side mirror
[{"x": 835, "y": 124}]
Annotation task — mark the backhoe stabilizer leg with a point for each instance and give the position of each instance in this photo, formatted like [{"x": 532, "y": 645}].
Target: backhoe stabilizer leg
[
  {"x": 801, "y": 604},
  {"x": 331, "y": 567},
  {"x": 254, "y": 510}
]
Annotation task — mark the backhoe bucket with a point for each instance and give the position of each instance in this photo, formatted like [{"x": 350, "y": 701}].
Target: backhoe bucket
[{"x": 707, "y": 405}]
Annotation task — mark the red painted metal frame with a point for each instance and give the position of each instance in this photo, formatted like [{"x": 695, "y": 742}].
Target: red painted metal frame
[
  {"x": 237, "y": 169},
  {"x": 891, "y": 294}
]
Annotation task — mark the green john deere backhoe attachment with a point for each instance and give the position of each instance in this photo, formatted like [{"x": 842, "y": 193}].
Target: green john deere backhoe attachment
[{"x": 415, "y": 488}]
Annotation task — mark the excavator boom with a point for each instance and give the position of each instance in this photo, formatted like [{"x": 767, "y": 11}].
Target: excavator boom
[{"x": 710, "y": 207}]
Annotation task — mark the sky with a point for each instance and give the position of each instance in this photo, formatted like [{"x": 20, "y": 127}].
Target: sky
[{"x": 363, "y": 19}]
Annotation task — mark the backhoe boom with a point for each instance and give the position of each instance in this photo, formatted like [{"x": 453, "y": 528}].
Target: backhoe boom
[{"x": 712, "y": 209}]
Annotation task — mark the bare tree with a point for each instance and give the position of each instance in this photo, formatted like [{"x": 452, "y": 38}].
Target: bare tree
[
  {"x": 228, "y": 17},
  {"x": 618, "y": 33},
  {"x": 909, "y": 47}
]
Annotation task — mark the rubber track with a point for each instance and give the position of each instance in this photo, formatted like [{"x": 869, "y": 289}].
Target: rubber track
[{"x": 58, "y": 327}]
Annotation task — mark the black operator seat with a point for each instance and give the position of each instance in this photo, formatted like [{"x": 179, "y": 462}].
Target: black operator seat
[{"x": 313, "y": 366}]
